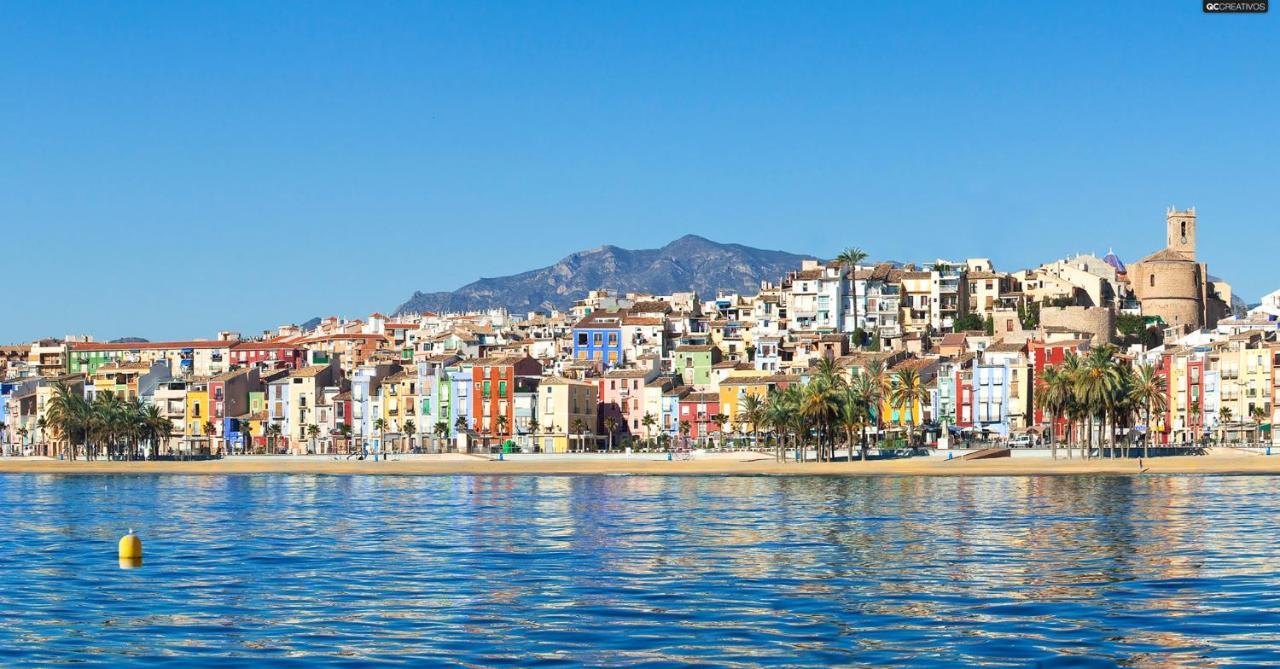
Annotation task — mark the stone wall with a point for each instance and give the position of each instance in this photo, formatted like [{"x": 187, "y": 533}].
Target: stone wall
[{"x": 1099, "y": 322}]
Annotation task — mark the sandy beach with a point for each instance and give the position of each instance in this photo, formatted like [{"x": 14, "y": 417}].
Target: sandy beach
[{"x": 739, "y": 464}]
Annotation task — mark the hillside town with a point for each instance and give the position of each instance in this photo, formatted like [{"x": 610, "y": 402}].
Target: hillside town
[{"x": 955, "y": 351}]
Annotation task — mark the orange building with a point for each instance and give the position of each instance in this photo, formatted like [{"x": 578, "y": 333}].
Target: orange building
[{"x": 496, "y": 381}]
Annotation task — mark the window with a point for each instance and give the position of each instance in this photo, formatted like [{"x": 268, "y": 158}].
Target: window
[
  {"x": 486, "y": 389},
  {"x": 582, "y": 339},
  {"x": 502, "y": 388},
  {"x": 597, "y": 338},
  {"x": 613, "y": 338},
  {"x": 1152, "y": 280}
]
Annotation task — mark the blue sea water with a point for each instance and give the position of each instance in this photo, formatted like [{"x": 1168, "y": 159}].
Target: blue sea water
[{"x": 265, "y": 570}]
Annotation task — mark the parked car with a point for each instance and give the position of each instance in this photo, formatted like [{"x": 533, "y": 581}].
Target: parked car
[{"x": 1023, "y": 441}]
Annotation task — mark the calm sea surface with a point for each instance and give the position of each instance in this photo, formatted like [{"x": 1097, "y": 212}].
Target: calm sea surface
[{"x": 641, "y": 571}]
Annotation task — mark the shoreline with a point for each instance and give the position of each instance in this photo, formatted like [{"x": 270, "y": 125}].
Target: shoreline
[{"x": 740, "y": 464}]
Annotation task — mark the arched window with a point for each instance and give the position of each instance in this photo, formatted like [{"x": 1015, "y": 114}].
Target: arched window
[
  {"x": 1184, "y": 232},
  {"x": 1153, "y": 280}
]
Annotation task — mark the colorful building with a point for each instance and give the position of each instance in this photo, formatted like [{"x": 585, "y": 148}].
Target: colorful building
[{"x": 598, "y": 336}]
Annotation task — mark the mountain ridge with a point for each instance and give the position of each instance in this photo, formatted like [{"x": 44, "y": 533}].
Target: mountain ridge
[{"x": 690, "y": 262}]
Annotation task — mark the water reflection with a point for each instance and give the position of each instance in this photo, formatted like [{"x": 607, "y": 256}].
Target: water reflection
[{"x": 1152, "y": 571}]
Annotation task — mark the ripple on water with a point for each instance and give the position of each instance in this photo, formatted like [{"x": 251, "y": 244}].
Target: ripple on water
[{"x": 641, "y": 571}]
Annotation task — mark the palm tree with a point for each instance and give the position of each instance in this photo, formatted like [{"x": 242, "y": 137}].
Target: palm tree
[
  {"x": 1076, "y": 411},
  {"x": 441, "y": 430},
  {"x": 411, "y": 428},
  {"x": 719, "y": 420},
  {"x": 502, "y": 425},
  {"x": 820, "y": 407},
  {"x": 460, "y": 425},
  {"x": 380, "y": 424},
  {"x": 752, "y": 412},
  {"x": 66, "y": 413},
  {"x": 313, "y": 431},
  {"x": 344, "y": 431},
  {"x": 686, "y": 428},
  {"x": 1053, "y": 393},
  {"x": 42, "y": 426},
  {"x": 4, "y": 445},
  {"x": 580, "y": 428},
  {"x": 533, "y": 431},
  {"x": 1258, "y": 414},
  {"x": 609, "y": 426},
  {"x": 865, "y": 393},
  {"x": 274, "y": 432},
  {"x": 649, "y": 421},
  {"x": 153, "y": 423},
  {"x": 164, "y": 432},
  {"x": 209, "y": 430},
  {"x": 852, "y": 417},
  {"x": 906, "y": 393},
  {"x": 1224, "y": 417},
  {"x": 1096, "y": 384},
  {"x": 882, "y": 385},
  {"x": 849, "y": 260}
]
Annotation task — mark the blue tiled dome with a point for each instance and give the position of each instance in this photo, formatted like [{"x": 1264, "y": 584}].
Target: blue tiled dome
[{"x": 1114, "y": 261}]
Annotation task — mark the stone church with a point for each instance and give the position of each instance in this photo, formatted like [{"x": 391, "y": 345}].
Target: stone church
[{"x": 1171, "y": 284}]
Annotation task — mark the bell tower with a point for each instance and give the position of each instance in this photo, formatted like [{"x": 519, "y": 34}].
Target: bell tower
[{"x": 1181, "y": 227}]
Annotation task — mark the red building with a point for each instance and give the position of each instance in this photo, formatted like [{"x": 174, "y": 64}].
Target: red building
[
  {"x": 277, "y": 353},
  {"x": 1046, "y": 354},
  {"x": 697, "y": 409}
]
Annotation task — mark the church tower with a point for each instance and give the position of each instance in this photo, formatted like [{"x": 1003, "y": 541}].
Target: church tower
[{"x": 1181, "y": 226}]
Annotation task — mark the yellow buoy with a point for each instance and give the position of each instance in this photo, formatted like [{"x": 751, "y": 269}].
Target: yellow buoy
[{"x": 130, "y": 551}]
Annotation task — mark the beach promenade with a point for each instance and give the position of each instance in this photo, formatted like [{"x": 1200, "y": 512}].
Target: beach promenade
[{"x": 1216, "y": 461}]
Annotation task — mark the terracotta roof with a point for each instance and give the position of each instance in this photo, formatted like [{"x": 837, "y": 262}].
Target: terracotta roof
[
  {"x": 266, "y": 344},
  {"x": 228, "y": 375},
  {"x": 308, "y": 372},
  {"x": 651, "y": 306},
  {"x": 561, "y": 381},
  {"x": 153, "y": 345},
  {"x": 601, "y": 319},
  {"x": 1166, "y": 255},
  {"x": 626, "y": 373},
  {"x": 1006, "y": 347},
  {"x": 694, "y": 348},
  {"x": 496, "y": 361},
  {"x": 913, "y": 363}
]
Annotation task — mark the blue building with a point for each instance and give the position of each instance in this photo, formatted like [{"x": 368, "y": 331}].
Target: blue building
[
  {"x": 598, "y": 337},
  {"x": 991, "y": 398}
]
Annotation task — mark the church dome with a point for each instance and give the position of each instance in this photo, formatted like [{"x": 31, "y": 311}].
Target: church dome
[{"x": 1114, "y": 261}]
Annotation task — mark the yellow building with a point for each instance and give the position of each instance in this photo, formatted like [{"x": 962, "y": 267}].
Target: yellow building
[
  {"x": 120, "y": 378},
  {"x": 741, "y": 384},
  {"x": 917, "y": 301},
  {"x": 1244, "y": 375},
  {"x": 562, "y": 403},
  {"x": 900, "y": 416},
  {"x": 401, "y": 400},
  {"x": 199, "y": 412}
]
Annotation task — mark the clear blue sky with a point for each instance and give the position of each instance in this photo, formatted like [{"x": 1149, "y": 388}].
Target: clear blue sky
[{"x": 169, "y": 169}]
